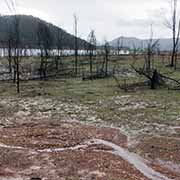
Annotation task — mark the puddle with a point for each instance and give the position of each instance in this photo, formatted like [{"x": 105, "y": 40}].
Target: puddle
[{"x": 132, "y": 158}]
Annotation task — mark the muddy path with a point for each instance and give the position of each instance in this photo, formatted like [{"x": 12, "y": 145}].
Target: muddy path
[{"x": 73, "y": 151}]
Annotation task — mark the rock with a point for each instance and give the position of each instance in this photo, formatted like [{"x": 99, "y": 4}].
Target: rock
[{"x": 35, "y": 178}]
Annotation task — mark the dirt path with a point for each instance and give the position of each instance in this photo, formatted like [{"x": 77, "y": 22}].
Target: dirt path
[
  {"x": 72, "y": 150},
  {"x": 131, "y": 158}
]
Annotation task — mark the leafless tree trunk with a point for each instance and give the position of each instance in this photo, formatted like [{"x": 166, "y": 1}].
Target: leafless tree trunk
[
  {"x": 59, "y": 45},
  {"x": 16, "y": 50},
  {"x": 44, "y": 41},
  {"x": 41, "y": 63},
  {"x": 107, "y": 52},
  {"x": 119, "y": 45},
  {"x": 174, "y": 25},
  {"x": 10, "y": 45},
  {"x": 152, "y": 47},
  {"x": 134, "y": 53},
  {"x": 148, "y": 71},
  {"x": 16, "y": 42},
  {"x": 91, "y": 49},
  {"x": 76, "y": 43},
  {"x": 10, "y": 55}
]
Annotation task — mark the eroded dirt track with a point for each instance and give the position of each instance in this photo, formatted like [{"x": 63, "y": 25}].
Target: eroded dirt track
[{"x": 72, "y": 150}]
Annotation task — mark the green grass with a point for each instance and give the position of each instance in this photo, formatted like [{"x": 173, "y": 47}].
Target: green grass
[{"x": 135, "y": 110}]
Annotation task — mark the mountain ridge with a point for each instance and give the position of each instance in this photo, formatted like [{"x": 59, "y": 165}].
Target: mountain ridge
[
  {"x": 28, "y": 31},
  {"x": 165, "y": 44}
]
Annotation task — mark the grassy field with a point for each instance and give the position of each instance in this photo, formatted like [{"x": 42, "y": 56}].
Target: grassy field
[
  {"x": 138, "y": 111},
  {"x": 149, "y": 118}
]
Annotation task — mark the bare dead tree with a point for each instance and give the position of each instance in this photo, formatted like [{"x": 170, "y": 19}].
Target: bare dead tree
[
  {"x": 174, "y": 25},
  {"x": 152, "y": 48},
  {"x": 148, "y": 70},
  {"x": 91, "y": 49},
  {"x": 17, "y": 50},
  {"x": 59, "y": 45},
  {"x": 76, "y": 43},
  {"x": 44, "y": 37},
  {"x": 119, "y": 45},
  {"x": 15, "y": 40},
  {"x": 40, "y": 44},
  {"x": 9, "y": 46},
  {"x": 134, "y": 53},
  {"x": 107, "y": 52}
]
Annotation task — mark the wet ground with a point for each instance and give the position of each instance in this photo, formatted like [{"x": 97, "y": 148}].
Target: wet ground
[
  {"x": 78, "y": 130},
  {"x": 76, "y": 151}
]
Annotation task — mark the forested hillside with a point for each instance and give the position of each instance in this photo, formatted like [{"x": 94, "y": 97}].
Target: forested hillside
[{"x": 28, "y": 27}]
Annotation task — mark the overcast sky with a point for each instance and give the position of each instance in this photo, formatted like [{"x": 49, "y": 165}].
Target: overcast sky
[{"x": 109, "y": 18}]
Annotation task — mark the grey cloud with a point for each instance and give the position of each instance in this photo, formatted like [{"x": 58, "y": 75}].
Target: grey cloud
[{"x": 109, "y": 18}]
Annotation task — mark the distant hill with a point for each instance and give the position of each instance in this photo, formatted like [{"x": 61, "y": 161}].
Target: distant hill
[
  {"x": 28, "y": 31},
  {"x": 130, "y": 42}
]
